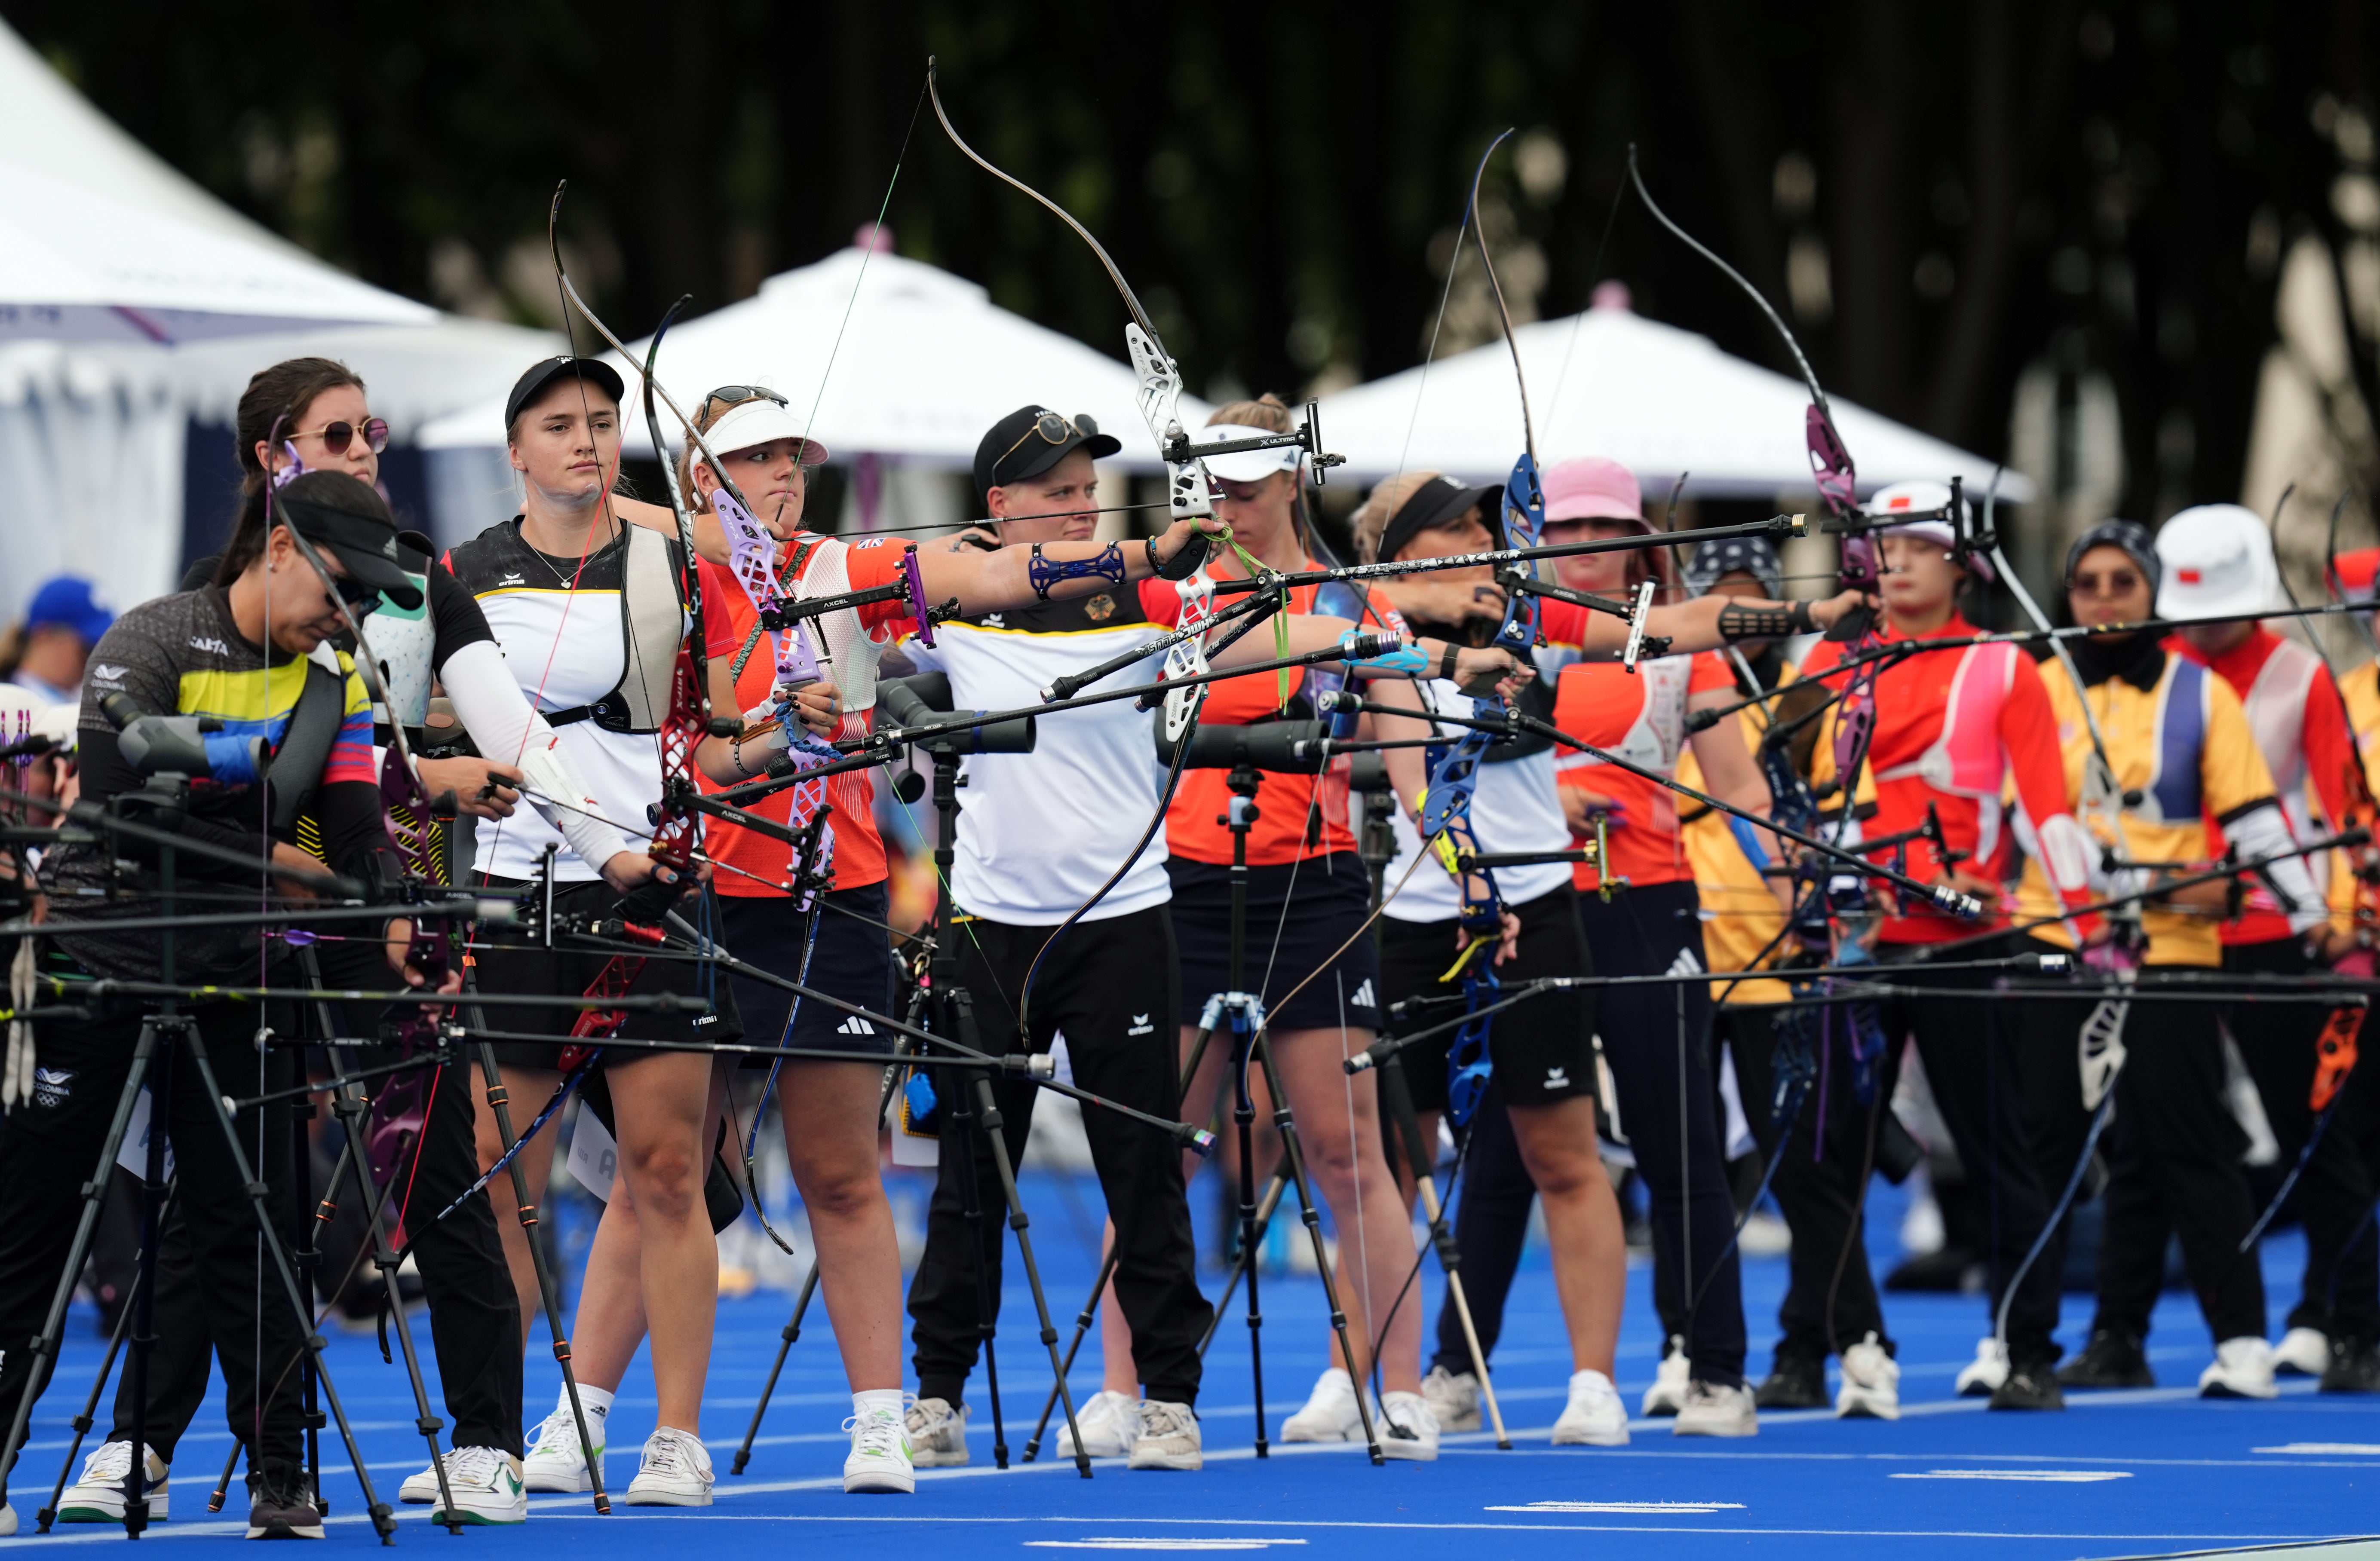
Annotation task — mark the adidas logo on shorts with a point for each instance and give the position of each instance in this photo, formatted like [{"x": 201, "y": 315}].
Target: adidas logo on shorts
[
  {"x": 854, "y": 1025},
  {"x": 1363, "y": 997}
]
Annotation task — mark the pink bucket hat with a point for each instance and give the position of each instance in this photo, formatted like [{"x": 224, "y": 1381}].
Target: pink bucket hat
[{"x": 1592, "y": 488}]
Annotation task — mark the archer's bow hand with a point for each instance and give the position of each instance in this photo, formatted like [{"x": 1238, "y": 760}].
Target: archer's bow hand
[
  {"x": 1835, "y": 608},
  {"x": 1491, "y": 671},
  {"x": 479, "y": 787},
  {"x": 1177, "y": 552},
  {"x": 817, "y": 706}
]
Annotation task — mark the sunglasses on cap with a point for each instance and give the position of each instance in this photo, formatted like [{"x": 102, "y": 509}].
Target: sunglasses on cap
[
  {"x": 335, "y": 437},
  {"x": 727, "y": 396},
  {"x": 1053, "y": 430}
]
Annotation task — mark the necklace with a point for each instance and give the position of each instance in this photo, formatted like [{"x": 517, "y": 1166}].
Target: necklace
[{"x": 553, "y": 568}]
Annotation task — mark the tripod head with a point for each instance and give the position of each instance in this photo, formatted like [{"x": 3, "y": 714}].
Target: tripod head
[{"x": 1285, "y": 747}]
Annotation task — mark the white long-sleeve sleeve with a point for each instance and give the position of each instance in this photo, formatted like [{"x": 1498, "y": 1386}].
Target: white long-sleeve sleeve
[
  {"x": 502, "y": 722},
  {"x": 2264, "y": 831}
]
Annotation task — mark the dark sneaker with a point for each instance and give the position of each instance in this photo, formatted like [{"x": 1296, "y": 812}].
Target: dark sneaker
[
  {"x": 2032, "y": 1384},
  {"x": 2112, "y": 1358},
  {"x": 1797, "y": 1382},
  {"x": 2354, "y": 1367},
  {"x": 279, "y": 1508}
]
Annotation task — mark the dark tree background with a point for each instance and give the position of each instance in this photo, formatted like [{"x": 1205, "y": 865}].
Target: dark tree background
[{"x": 1941, "y": 195}]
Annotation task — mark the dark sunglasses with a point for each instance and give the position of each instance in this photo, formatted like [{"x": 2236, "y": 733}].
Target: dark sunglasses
[
  {"x": 1053, "y": 430},
  {"x": 336, "y": 436},
  {"x": 736, "y": 396}
]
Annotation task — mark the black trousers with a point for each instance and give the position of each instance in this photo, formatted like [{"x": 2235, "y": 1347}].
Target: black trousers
[
  {"x": 1975, "y": 1061},
  {"x": 51, "y": 1148},
  {"x": 2276, "y": 1041},
  {"x": 1657, "y": 1041},
  {"x": 2172, "y": 1142},
  {"x": 1491, "y": 1226},
  {"x": 1110, "y": 986},
  {"x": 1816, "y": 1186}
]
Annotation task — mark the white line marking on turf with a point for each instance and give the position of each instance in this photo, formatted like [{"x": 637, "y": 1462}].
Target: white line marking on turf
[
  {"x": 1641, "y": 1508},
  {"x": 2350, "y": 1449},
  {"x": 1157, "y": 1542},
  {"x": 2041, "y": 1476}
]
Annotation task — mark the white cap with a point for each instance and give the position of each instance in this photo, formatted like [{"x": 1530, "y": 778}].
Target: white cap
[
  {"x": 1931, "y": 499},
  {"x": 58, "y": 723},
  {"x": 2219, "y": 561},
  {"x": 1247, "y": 466},
  {"x": 759, "y": 422}
]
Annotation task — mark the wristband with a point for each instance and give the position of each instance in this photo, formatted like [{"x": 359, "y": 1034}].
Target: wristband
[
  {"x": 1043, "y": 572},
  {"x": 1446, "y": 662}
]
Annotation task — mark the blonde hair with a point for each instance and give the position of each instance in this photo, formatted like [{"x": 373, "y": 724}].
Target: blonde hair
[
  {"x": 705, "y": 415},
  {"x": 1380, "y": 506},
  {"x": 1267, "y": 411}
]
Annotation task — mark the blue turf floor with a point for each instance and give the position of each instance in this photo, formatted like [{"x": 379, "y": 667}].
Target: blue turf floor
[{"x": 2150, "y": 1472}]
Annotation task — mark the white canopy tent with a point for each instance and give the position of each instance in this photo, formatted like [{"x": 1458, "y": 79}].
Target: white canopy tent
[
  {"x": 1610, "y": 382},
  {"x": 131, "y": 301},
  {"x": 925, "y": 364}
]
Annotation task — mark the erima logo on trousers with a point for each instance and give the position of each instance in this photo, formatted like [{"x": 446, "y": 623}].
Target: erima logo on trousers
[
  {"x": 1557, "y": 1078},
  {"x": 1141, "y": 1026},
  {"x": 854, "y": 1025},
  {"x": 1364, "y": 998}
]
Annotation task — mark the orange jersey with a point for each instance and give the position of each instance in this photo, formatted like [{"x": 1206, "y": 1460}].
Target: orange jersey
[
  {"x": 728, "y": 622},
  {"x": 1916, "y": 760},
  {"x": 1299, "y": 817},
  {"x": 1640, "y": 717}
]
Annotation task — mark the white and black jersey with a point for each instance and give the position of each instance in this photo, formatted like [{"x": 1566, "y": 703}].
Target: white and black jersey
[
  {"x": 563, "y": 628},
  {"x": 1039, "y": 832},
  {"x": 1514, "y": 809}
]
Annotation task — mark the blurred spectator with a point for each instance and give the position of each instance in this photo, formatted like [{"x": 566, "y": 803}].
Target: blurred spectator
[{"x": 45, "y": 653}]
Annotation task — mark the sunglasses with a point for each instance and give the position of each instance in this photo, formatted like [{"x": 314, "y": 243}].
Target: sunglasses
[
  {"x": 335, "y": 437},
  {"x": 1053, "y": 430},
  {"x": 736, "y": 396}
]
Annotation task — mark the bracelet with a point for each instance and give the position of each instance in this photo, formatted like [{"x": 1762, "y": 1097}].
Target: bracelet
[
  {"x": 1185, "y": 560},
  {"x": 736, "y": 751},
  {"x": 1446, "y": 662},
  {"x": 1043, "y": 572}
]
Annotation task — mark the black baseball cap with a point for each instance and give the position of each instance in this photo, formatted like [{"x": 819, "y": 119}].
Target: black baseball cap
[
  {"x": 1030, "y": 440},
  {"x": 546, "y": 370},
  {"x": 1437, "y": 503},
  {"x": 335, "y": 511}
]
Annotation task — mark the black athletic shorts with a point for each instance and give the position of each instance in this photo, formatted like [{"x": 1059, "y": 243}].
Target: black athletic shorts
[
  {"x": 516, "y": 964},
  {"x": 852, "y": 959},
  {"x": 1328, "y": 897},
  {"x": 1543, "y": 1048}
]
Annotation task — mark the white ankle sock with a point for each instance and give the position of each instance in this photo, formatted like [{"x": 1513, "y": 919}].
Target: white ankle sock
[
  {"x": 874, "y": 1400},
  {"x": 595, "y": 1401}
]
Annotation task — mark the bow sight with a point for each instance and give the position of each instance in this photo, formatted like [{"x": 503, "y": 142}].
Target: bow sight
[{"x": 1177, "y": 450}]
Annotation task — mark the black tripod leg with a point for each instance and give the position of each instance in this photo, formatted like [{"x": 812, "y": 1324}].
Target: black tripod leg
[
  {"x": 547, "y": 1289},
  {"x": 1243, "y": 1117},
  {"x": 1265, "y": 1207},
  {"x": 988, "y": 1111},
  {"x": 259, "y": 1206},
  {"x": 143, "y": 1274},
  {"x": 44, "y": 1346},
  {"x": 1295, "y": 1157},
  {"x": 144, "y": 1335},
  {"x": 1082, "y": 1328},
  {"x": 792, "y": 1332},
  {"x": 1398, "y": 1097}
]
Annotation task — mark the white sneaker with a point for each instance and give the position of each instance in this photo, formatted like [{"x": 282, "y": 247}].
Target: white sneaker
[
  {"x": 554, "y": 1462},
  {"x": 1408, "y": 1430},
  {"x": 1330, "y": 1414},
  {"x": 2303, "y": 1352},
  {"x": 1595, "y": 1417},
  {"x": 487, "y": 1487},
  {"x": 676, "y": 1472},
  {"x": 1668, "y": 1389},
  {"x": 1871, "y": 1388},
  {"x": 97, "y": 1497},
  {"x": 2242, "y": 1369},
  {"x": 1109, "y": 1420},
  {"x": 1981, "y": 1377},
  {"x": 1453, "y": 1397},
  {"x": 1713, "y": 1411},
  {"x": 8, "y": 1520},
  {"x": 937, "y": 1433},
  {"x": 1165, "y": 1435},
  {"x": 880, "y": 1455}
]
